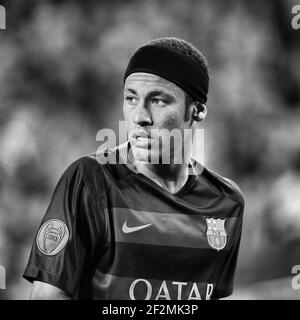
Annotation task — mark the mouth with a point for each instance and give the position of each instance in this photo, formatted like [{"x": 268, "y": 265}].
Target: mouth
[
  {"x": 141, "y": 136},
  {"x": 141, "y": 139}
]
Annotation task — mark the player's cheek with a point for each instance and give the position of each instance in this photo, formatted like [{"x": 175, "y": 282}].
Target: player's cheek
[
  {"x": 128, "y": 114},
  {"x": 170, "y": 121}
]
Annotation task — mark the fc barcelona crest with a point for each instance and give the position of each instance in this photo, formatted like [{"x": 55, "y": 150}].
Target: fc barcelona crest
[
  {"x": 216, "y": 233},
  {"x": 52, "y": 237}
]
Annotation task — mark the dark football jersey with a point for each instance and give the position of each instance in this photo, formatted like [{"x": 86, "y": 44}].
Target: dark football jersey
[{"x": 112, "y": 233}]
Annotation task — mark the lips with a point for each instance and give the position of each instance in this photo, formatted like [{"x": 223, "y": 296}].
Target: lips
[
  {"x": 141, "y": 135},
  {"x": 141, "y": 139}
]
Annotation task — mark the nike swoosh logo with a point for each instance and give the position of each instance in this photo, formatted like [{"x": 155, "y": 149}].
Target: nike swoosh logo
[{"x": 127, "y": 229}]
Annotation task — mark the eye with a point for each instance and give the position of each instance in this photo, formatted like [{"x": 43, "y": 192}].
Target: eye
[
  {"x": 158, "y": 101},
  {"x": 131, "y": 99}
]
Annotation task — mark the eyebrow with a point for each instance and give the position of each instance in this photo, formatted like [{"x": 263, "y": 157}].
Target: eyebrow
[
  {"x": 160, "y": 93},
  {"x": 130, "y": 90},
  {"x": 152, "y": 93}
]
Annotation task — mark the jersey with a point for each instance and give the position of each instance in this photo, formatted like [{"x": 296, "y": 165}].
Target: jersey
[{"x": 111, "y": 233}]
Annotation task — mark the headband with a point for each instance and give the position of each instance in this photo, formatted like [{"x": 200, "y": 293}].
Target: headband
[{"x": 180, "y": 68}]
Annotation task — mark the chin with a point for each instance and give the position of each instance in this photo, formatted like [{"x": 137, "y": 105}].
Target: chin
[
  {"x": 143, "y": 155},
  {"x": 140, "y": 154}
]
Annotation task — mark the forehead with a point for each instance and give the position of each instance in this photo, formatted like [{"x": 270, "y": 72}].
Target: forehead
[{"x": 149, "y": 81}]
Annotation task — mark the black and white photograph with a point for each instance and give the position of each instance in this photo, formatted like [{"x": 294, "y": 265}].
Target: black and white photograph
[{"x": 149, "y": 150}]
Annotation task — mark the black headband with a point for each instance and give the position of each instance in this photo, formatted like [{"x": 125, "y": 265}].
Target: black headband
[{"x": 179, "y": 68}]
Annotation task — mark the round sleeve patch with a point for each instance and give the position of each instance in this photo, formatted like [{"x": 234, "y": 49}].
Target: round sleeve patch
[{"x": 52, "y": 237}]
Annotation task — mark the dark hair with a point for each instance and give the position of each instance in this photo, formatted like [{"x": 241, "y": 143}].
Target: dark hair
[{"x": 188, "y": 99}]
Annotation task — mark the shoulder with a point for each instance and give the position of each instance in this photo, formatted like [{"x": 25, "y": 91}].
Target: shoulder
[
  {"x": 84, "y": 166},
  {"x": 225, "y": 186},
  {"x": 84, "y": 173},
  {"x": 98, "y": 170}
]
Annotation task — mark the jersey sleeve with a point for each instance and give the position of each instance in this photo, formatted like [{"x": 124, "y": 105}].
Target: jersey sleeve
[
  {"x": 61, "y": 247},
  {"x": 225, "y": 283}
]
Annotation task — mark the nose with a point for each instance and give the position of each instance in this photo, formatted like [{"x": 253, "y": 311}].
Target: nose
[{"x": 142, "y": 115}]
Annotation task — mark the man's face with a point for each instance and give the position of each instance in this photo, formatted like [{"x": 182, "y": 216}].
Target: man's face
[{"x": 152, "y": 103}]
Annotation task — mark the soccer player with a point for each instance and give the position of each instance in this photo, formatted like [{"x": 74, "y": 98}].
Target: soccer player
[{"x": 137, "y": 228}]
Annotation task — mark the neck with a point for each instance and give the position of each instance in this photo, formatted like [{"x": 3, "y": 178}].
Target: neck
[{"x": 170, "y": 177}]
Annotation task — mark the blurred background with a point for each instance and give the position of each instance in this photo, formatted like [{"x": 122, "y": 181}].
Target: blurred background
[{"x": 61, "y": 69}]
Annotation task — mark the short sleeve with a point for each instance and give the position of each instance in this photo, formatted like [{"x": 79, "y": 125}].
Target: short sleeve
[
  {"x": 225, "y": 283},
  {"x": 59, "y": 250}
]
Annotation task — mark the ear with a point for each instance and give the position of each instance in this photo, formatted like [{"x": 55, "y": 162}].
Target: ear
[{"x": 200, "y": 112}]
